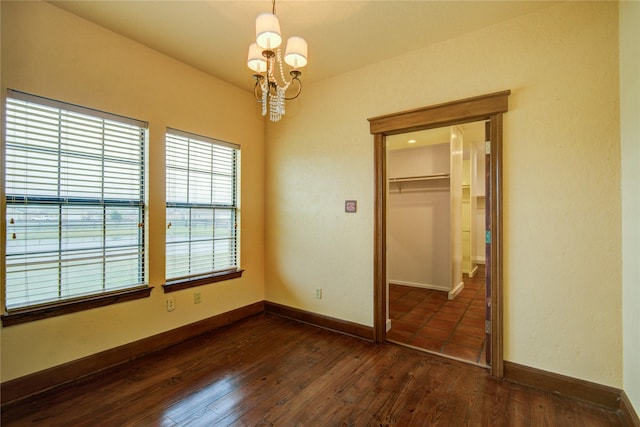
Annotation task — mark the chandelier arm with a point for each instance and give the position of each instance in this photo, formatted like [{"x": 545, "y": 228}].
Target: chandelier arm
[
  {"x": 259, "y": 79},
  {"x": 295, "y": 74}
]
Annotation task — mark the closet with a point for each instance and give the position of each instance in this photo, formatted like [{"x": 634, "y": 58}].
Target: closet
[
  {"x": 436, "y": 207},
  {"x": 425, "y": 239}
]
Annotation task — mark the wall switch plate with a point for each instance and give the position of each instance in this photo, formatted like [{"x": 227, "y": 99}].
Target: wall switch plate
[
  {"x": 197, "y": 297},
  {"x": 351, "y": 206},
  {"x": 171, "y": 304},
  {"x": 319, "y": 293}
]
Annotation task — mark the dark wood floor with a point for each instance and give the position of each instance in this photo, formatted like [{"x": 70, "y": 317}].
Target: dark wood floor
[{"x": 267, "y": 370}]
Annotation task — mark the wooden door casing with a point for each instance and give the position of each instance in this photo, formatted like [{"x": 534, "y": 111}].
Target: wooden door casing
[{"x": 486, "y": 107}]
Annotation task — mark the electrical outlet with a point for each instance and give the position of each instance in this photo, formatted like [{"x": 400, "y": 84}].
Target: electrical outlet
[
  {"x": 171, "y": 304},
  {"x": 197, "y": 298},
  {"x": 319, "y": 293}
]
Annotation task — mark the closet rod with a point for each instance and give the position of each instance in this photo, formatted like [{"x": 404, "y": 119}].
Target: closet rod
[{"x": 420, "y": 178}]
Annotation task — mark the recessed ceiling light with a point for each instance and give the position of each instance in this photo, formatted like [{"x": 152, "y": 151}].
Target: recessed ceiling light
[{"x": 412, "y": 141}]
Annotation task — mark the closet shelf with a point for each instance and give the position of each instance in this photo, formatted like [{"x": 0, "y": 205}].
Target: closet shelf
[{"x": 420, "y": 178}]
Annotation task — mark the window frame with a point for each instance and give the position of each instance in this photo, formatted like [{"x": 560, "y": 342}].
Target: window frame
[
  {"x": 205, "y": 278},
  {"x": 74, "y": 303}
]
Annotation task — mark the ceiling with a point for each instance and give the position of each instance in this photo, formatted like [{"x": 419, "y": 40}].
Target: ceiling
[
  {"x": 473, "y": 134},
  {"x": 343, "y": 36}
]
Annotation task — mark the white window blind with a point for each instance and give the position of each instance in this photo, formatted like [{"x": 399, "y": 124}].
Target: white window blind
[
  {"x": 201, "y": 186},
  {"x": 74, "y": 182}
]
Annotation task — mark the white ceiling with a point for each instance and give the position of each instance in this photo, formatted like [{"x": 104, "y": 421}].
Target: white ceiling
[
  {"x": 473, "y": 134},
  {"x": 214, "y": 36}
]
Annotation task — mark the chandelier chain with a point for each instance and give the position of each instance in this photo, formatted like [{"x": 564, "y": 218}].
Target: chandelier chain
[{"x": 287, "y": 83}]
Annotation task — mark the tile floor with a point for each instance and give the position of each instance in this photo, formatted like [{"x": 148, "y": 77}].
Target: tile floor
[{"x": 426, "y": 319}]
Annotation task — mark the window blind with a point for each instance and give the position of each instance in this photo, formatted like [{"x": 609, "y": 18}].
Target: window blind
[
  {"x": 74, "y": 185},
  {"x": 202, "y": 211}
]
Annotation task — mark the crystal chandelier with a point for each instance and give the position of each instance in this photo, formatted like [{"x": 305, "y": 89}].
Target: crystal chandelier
[{"x": 265, "y": 55}]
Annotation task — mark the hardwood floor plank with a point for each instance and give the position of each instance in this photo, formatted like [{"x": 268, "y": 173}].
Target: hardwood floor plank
[
  {"x": 362, "y": 398},
  {"x": 272, "y": 371},
  {"x": 331, "y": 385},
  {"x": 404, "y": 399}
]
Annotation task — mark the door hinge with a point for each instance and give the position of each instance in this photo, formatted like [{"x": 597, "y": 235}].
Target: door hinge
[
  {"x": 487, "y": 326},
  {"x": 487, "y": 147}
]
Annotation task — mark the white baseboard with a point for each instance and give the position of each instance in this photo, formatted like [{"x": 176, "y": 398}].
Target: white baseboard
[
  {"x": 420, "y": 285},
  {"x": 473, "y": 271},
  {"x": 454, "y": 293},
  {"x": 388, "y": 325}
]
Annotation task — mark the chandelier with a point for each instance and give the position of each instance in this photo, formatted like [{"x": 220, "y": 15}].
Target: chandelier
[{"x": 265, "y": 56}]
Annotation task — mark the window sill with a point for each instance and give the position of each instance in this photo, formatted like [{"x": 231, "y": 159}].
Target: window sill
[
  {"x": 30, "y": 314},
  {"x": 192, "y": 282}
]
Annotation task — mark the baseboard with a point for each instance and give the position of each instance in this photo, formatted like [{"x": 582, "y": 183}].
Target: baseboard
[
  {"x": 473, "y": 271},
  {"x": 38, "y": 382},
  {"x": 608, "y": 397},
  {"x": 343, "y": 326},
  {"x": 57, "y": 376},
  {"x": 629, "y": 414},
  {"x": 451, "y": 294},
  {"x": 419, "y": 285},
  {"x": 454, "y": 292}
]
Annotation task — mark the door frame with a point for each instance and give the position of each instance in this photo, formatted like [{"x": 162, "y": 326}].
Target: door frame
[{"x": 485, "y": 107}]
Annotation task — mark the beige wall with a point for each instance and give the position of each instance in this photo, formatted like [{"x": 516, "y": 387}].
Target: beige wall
[
  {"x": 51, "y": 53},
  {"x": 562, "y": 182},
  {"x": 630, "y": 137},
  {"x": 563, "y": 275}
]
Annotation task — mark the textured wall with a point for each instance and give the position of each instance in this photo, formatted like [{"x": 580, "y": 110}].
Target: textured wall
[
  {"x": 562, "y": 182},
  {"x": 66, "y": 58},
  {"x": 630, "y": 136}
]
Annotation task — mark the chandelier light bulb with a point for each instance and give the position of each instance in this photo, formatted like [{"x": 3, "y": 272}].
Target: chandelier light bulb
[{"x": 268, "y": 31}]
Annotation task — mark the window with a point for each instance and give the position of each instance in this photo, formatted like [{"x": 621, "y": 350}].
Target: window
[
  {"x": 202, "y": 210},
  {"x": 74, "y": 190}
]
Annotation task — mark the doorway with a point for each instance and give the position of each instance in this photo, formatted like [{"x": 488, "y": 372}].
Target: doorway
[
  {"x": 487, "y": 107},
  {"x": 436, "y": 241}
]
